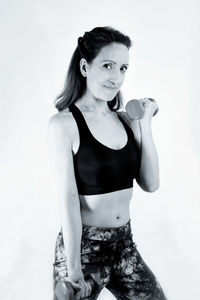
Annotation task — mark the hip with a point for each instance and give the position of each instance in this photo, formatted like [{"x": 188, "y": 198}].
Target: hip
[{"x": 98, "y": 244}]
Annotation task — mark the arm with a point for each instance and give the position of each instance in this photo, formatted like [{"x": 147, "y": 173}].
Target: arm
[
  {"x": 148, "y": 178},
  {"x": 61, "y": 160}
]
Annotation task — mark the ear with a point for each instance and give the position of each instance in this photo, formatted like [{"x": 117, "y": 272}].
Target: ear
[{"x": 83, "y": 67}]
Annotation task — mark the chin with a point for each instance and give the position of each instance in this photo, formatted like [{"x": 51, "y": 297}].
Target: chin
[
  {"x": 105, "y": 99},
  {"x": 109, "y": 97}
]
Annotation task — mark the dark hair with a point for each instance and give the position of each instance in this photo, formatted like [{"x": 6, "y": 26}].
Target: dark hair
[{"x": 88, "y": 47}]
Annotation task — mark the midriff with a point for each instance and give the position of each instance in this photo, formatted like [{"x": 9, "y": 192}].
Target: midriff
[{"x": 106, "y": 210}]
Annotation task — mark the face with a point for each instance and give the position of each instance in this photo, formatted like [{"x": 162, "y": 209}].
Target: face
[{"x": 105, "y": 74}]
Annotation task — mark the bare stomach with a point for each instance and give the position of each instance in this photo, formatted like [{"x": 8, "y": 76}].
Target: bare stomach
[{"x": 106, "y": 210}]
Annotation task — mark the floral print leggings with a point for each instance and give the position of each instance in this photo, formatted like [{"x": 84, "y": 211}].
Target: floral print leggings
[{"x": 111, "y": 257}]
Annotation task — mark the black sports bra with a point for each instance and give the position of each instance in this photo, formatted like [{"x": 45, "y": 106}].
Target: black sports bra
[{"x": 100, "y": 169}]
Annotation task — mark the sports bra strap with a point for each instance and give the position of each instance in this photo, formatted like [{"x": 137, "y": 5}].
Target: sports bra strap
[
  {"x": 83, "y": 127},
  {"x": 80, "y": 121}
]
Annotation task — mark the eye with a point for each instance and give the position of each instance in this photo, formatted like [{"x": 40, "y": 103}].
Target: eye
[
  {"x": 124, "y": 69},
  {"x": 108, "y": 66}
]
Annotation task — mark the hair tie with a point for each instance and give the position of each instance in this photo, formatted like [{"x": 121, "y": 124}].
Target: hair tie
[{"x": 80, "y": 39}]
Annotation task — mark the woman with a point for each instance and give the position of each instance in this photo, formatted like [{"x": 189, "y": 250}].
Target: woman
[{"x": 95, "y": 153}]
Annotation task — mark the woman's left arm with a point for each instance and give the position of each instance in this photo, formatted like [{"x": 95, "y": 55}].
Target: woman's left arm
[{"x": 148, "y": 177}]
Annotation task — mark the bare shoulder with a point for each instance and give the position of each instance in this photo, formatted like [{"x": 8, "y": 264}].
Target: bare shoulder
[
  {"x": 62, "y": 121},
  {"x": 61, "y": 117},
  {"x": 61, "y": 126}
]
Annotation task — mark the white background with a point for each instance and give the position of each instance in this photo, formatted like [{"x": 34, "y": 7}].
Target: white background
[{"x": 37, "y": 40}]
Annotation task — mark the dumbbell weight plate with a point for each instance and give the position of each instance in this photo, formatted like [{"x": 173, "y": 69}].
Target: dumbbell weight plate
[
  {"x": 135, "y": 109},
  {"x": 64, "y": 291}
]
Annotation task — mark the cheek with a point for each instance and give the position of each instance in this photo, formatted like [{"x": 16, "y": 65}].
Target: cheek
[
  {"x": 122, "y": 79},
  {"x": 95, "y": 81},
  {"x": 92, "y": 84}
]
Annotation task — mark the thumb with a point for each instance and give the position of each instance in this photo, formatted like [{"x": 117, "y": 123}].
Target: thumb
[{"x": 75, "y": 285}]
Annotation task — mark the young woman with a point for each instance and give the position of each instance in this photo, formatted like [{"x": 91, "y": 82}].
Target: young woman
[{"x": 96, "y": 152}]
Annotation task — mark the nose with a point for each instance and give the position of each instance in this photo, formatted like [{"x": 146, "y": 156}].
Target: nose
[
  {"x": 115, "y": 79},
  {"x": 112, "y": 82}
]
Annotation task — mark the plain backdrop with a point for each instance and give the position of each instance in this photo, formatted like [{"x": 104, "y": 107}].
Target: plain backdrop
[{"x": 37, "y": 41}]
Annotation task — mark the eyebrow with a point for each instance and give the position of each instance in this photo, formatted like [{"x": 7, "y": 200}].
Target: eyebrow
[{"x": 112, "y": 61}]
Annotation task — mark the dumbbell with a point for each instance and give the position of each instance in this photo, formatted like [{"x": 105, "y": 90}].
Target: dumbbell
[
  {"x": 65, "y": 291},
  {"x": 135, "y": 109}
]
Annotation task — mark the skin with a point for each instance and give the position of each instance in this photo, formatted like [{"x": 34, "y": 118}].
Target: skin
[{"x": 63, "y": 142}]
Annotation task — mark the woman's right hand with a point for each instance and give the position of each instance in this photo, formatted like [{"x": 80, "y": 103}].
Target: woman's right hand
[{"x": 82, "y": 288}]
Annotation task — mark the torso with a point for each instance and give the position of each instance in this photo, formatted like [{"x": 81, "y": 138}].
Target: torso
[{"x": 108, "y": 209}]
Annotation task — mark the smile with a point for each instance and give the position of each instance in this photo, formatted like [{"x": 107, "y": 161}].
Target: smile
[{"x": 110, "y": 89}]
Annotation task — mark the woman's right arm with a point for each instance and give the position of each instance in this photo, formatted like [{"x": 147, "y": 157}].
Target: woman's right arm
[{"x": 59, "y": 139}]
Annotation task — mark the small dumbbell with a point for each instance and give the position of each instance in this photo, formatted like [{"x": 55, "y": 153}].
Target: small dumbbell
[
  {"x": 65, "y": 291},
  {"x": 135, "y": 109}
]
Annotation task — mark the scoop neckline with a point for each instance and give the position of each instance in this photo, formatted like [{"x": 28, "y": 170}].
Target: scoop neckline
[{"x": 97, "y": 141}]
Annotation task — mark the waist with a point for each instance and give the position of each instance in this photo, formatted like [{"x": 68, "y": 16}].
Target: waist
[
  {"x": 107, "y": 210},
  {"x": 106, "y": 234},
  {"x": 101, "y": 202}
]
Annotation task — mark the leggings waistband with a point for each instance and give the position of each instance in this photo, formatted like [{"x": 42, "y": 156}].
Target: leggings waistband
[{"x": 106, "y": 234}]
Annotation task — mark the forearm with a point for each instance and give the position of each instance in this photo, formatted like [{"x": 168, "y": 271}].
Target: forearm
[
  {"x": 148, "y": 177},
  {"x": 72, "y": 233}
]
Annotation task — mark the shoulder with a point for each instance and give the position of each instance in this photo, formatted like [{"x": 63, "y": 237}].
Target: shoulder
[
  {"x": 61, "y": 125},
  {"x": 61, "y": 120},
  {"x": 134, "y": 125}
]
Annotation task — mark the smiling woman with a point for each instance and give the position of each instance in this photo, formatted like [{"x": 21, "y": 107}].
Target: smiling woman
[
  {"x": 109, "y": 75},
  {"x": 95, "y": 156}
]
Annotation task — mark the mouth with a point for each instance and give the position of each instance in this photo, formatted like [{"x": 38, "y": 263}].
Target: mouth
[{"x": 111, "y": 89}]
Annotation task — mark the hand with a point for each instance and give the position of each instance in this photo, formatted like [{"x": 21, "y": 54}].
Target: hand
[
  {"x": 83, "y": 291},
  {"x": 150, "y": 107},
  {"x": 82, "y": 288},
  {"x": 141, "y": 109}
]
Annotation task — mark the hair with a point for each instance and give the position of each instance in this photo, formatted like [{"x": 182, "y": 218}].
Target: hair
[{"x": 89, "y": 47}]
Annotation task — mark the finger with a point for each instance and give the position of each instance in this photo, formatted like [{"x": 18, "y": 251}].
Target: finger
[
  {"x": 156, "y": 111},
  {"x": 147, "y": 100},
  {"x": 75, "y": 285},
  {"x": 150, "y": 103},
  {"x": 82, "y": 291},
  {"x": 155, "y": 105},
  {"x": 77, "y": 296},
  {"x": 144, "y": 100},
  {"x": 88, "y": 289},
  {"x": 152, "y": 99}
]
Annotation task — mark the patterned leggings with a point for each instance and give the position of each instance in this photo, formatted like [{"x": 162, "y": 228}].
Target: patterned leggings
[{"x": 111, "y": 256}]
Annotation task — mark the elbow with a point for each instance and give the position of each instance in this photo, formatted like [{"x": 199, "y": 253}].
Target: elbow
[
  {"x": 150, "y": 188},
  {"x": 153, "y": 188}
]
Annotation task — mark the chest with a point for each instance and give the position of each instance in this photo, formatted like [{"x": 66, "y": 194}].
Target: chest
[
  {"x": 98, "y": 164},
  {"x": 107, "y": 131}
]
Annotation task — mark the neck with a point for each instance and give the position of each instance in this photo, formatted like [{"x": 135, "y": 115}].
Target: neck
[{"x": 90, "y": 103}]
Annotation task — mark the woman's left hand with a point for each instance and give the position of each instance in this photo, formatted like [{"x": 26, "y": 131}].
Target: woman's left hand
[{"x": 150, "y": 108}]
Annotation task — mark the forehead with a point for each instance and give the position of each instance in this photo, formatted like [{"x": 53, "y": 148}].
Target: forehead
[{"x": 115, "y": 51}]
